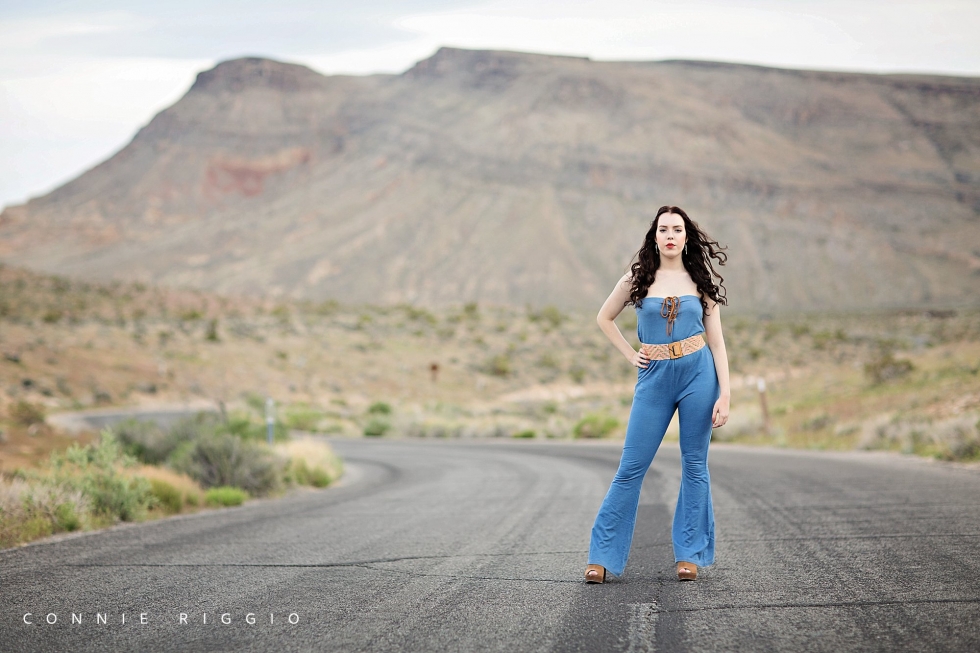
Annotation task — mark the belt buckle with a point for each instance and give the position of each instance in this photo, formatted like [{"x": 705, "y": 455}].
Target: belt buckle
[{"x": 675, "y": 349}]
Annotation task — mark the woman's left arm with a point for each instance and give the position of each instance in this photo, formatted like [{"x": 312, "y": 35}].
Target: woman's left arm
[{"x": 716, "y": 342}]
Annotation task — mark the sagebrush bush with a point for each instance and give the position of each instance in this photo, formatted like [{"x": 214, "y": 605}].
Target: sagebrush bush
[
  {"x": 376, "y": 427},
  {"x": 94, "y": 471},
  {"x": 26, "y": 414},
  {"x": 224, "y": 459},
  {"x": 147, "y": 442},
  {"x": 595, "y": 425},
  {"x": 379, "y": 408},
  {"x": 303, "y": 418}
]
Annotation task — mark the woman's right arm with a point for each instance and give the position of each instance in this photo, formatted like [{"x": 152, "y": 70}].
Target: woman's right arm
[{"x": 612, "y": 307}]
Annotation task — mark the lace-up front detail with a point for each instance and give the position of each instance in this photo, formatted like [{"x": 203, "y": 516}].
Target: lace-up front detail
[{"x": 669, "y": 310}]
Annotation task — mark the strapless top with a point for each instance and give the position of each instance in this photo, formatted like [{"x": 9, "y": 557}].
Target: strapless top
[{"x": 651, "y": 326}]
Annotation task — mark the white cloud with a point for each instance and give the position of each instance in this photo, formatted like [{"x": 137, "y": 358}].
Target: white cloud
[{"x": 62, "y": 120}]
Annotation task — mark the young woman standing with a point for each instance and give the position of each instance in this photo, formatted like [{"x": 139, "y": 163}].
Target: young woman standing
[{"x": 677, "y": 306}]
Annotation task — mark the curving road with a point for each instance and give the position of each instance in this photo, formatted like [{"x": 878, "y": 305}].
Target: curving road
[{"x": 466, "y": 546}]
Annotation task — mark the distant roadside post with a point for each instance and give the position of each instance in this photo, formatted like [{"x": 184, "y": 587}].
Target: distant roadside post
[
  {"x": 761, "y": 385},
  {"x": 270, "y": 418}
]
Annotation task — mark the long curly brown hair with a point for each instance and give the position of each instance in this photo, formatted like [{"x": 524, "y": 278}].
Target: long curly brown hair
[{"x": 697, "y": 261}]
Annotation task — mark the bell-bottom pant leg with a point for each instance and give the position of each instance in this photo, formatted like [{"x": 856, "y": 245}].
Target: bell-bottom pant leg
[
  {"x": 612, "y": 533},
  {"x": 693, "y": 531}
]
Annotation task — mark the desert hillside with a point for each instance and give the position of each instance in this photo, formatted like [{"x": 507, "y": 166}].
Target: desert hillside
[
  {"x": 906, "y": 380},
  {"x": 513, "y": 178}
]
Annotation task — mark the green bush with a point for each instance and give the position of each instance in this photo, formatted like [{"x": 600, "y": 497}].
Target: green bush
[
  {"x": 211, "y": 335},
  {"x": 66, "y": 518},
  {"x": 302, "y": 418},
  {"x": 302, "y": 474},
  {"x": 242, "y": 426},
  {"x": 318, "y": 477},
  {"x": 376, "y": 427},
  {"x": 147, "y": 442},
  {"x": 167, "y": 496},
  {"x": 379, "y": 408},
  {"x": 527, "y": 433},
  {"x": 92, "y": 470},
  {"x": 225, "y": 459},
  {"x": 225, "y": 495},
  {"x": 550, "y": 315},
  {"x": 27, "y": 414},
  {"x": 499, "y": 365},
  {"x": 595, "y": 425}
]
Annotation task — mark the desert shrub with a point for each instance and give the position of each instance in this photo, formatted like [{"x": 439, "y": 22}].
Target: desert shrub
[
  {"x": 471, "y": 311},
  {"x": 224, "y": 459},
  {"x": 301, "y": 473},
  {"x": 211, "y": 333},
  {"x": 418, "y": 314},
  {"x": 52, "y": 315},
  {"x": 167, "y": 496},
  {"x": 66, "y": 517},
  {"x": 376, "y": 427},
  {"x": 31, "y": 510},
  {"x": 885, "y": 367},
  {"x": 498, "y": 365},
  {"x": 186, "y": 488},
  {"x": 379, "y": 408},
  {"x": 817, "y": 422},
  {"x": 549, "y": 361},
  {"x": 550, "y": 316},
  {"x": 225, "y": 496},
  {"x": 26, "y": 414},
  {"x": 311, "y": 462},
  {"x": 243, "y": 426},
  {"x": 953, "y": 438},
  {"x": 595, "y": 425},
  {"x": 94, "y": 470},
  {"x": 147, "y": 442},
  {"x": 302, "y": 417},
  {"x": 526, "y": 433}
]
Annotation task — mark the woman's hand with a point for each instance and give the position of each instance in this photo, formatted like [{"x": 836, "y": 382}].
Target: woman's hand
[
  {"x": 719, "y": 416},
  {"x": 639, "y": 359}
]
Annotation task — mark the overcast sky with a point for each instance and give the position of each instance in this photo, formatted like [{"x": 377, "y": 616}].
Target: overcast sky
[{"x": 77, "y": 79}]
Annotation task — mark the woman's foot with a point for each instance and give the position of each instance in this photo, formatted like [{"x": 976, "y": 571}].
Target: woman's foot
[
  {"x": 595, "y": 574},
  {"x": 687, "y": 571}
]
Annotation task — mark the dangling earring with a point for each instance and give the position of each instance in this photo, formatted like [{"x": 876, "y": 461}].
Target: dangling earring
[
  {"x": 685, "y": 248},
  {"x": 656, "y": 248}
]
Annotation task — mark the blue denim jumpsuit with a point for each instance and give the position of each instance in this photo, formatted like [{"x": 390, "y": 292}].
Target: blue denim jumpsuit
[{"x": 688, "y": 384}]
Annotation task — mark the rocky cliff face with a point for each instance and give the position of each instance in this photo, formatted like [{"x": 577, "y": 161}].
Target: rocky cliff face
[{"x": 511, "y": 178}]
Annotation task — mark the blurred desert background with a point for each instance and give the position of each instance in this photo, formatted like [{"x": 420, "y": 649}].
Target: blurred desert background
[{"x": 422, "y": 255}]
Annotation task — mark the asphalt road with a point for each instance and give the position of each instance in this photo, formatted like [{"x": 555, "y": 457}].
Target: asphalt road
[
  {"x": 462, "y": 546},
  {"x": 96, "y": 420}
]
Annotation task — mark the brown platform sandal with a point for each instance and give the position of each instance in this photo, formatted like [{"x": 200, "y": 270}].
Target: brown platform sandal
[
  {"x": 687, "y": 571},
  {"x": 595, "y": 574}
]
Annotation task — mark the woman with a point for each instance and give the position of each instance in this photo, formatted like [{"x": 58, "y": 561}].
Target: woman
[{"x": 677, "y": 306}]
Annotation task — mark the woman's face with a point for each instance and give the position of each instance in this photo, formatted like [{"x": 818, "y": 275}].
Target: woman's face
[{"x": 671, "y": 235}]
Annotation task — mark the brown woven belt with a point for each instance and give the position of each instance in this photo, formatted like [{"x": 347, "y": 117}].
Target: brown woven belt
[{"x": 674, "y": 349}]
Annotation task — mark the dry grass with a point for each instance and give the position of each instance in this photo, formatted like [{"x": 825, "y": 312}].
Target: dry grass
[
  {"x": 312, "y": 461},
  {"x": 188, "y": 490}
]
